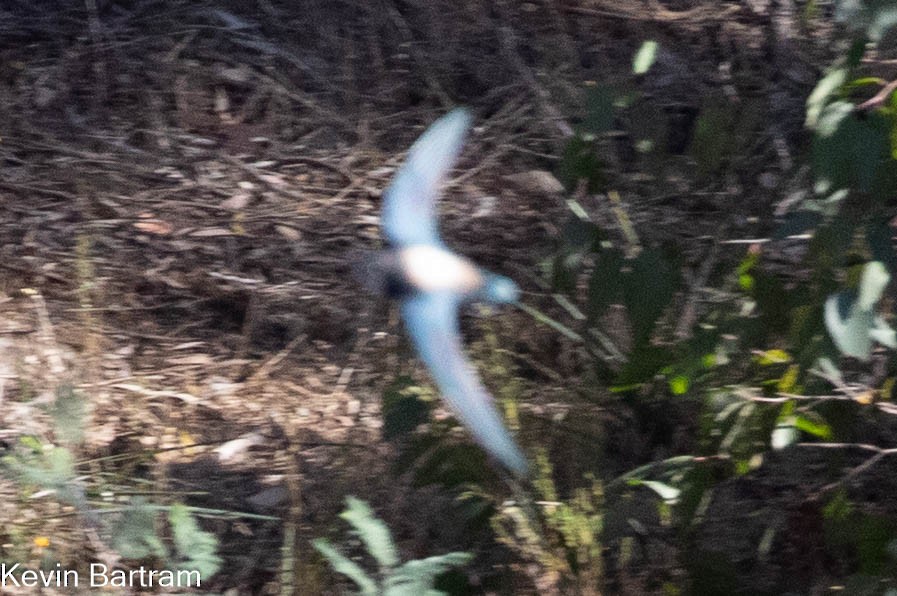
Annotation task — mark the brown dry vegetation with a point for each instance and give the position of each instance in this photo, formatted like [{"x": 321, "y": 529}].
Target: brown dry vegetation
[{"x": 184, "y": 182}]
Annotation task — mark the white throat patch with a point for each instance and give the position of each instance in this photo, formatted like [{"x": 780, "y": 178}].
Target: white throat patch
[{"x": 433, "y": 269}]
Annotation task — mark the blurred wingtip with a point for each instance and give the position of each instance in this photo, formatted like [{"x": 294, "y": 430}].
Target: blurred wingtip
[
  {"x": 442, "y": 141},
  {"x": 518, "y": 466},
  {"x": 409, "y": 214}
]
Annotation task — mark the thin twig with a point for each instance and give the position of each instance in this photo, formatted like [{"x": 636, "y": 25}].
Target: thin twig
[
  {"x": 880, "y": 454},
  {"x": 879, "y": 98}
]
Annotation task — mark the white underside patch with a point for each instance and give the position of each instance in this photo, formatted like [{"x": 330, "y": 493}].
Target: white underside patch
[{"x": 433, "y": 269}]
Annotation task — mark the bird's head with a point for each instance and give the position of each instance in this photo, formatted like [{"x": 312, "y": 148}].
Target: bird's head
[{"x": 498, "y": 289}]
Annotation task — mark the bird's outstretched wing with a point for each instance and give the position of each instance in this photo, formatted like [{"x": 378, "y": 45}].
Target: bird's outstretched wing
[
  {"x": 432, "y": 322},
  {"x": 409, "y": 204}
]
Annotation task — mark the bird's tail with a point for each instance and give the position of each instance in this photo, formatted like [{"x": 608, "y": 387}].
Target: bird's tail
[{"x": 379, "y": 272}]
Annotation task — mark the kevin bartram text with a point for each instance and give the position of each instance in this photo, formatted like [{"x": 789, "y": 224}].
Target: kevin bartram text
[{"x": 98, "y": 576}]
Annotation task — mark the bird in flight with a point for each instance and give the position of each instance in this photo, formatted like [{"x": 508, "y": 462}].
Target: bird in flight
[{"x": 432, "y": 283}]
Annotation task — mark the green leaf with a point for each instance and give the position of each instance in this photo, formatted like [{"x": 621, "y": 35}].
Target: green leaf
[
  {"x": 453, "y": 464},
  {"x": 580, "y": 161},
  {"x": 875, "y": 279},
  {"x": 746, "y": 271},
  {"x": 713, "y": 142},
  {"x": 50, "y": 469},
  {"x": 196, "y": 548},
  {"x": 788, "y": 382},
  {"x": 32, "y": 443},
  {"x": 783, "y": 435},
  {"x": 134, "y": 534},
  {"x": 828, "y": 368},
  {"x": 648, "y": 290},
  {"x": 679, "y": 385},
  {"x": 347, "y": 567},
  {"x": 853, "y": 151},
  {"x": 417, "y": 577},
  {"x": 644, "y": 362},
  {"x": 605, "y": 283},
  {"x": 774, "y": 356},
  {"x": 883, "y": 333},
  {"x": 68, "y": 412},
  {"x": 832, "y": 116},
  {"x": 403, "y": 409},
  {"x": 825, "y": 88},
  {"x": 861, "y": 82},
  {"x": 410, "y": 579},
  {"x": 60, "y": 466},
  {"x": 856, "y": 52},
  {"x": 599, "y": 110},
  {"x": 372, "y": 531},
  {"x": 848, "y": 327},
  {"x": 645, "y": 57},
  {"x": 850, "y": 319},
  {"x": 669, "y": 494},
  {"x": 817, "y": 428}
]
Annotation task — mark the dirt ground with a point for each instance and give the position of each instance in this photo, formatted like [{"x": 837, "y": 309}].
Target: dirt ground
[{"x": 184, "y": 185}]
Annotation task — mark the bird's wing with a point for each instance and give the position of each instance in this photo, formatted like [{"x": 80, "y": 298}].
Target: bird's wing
[
  {"x": 409, "y": 204},
  {"x": 432, "y": 322}
]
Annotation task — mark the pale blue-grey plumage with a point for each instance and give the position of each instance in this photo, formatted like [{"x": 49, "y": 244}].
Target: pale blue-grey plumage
[
  {"x": 409, "y": 204},
  {"x": 432, "y": 322},
  {"x": 433, "y": 282}
]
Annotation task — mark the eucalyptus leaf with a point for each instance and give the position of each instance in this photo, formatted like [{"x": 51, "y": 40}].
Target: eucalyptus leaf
[
  {"x": 670, "y": 494},
  {"x": 883, "y": 333},
  {"x": 849, "y": 327},
  {"x": 783, "y": 435},
  {"x": 853, "y": 150},
  {"x": 828, "y": 368},
  {"x": 872, "y": 284},
  {"x": 850, "y": 319},
  {"x": 645, "y": 57},
  {"x": 648, "y": 290},
  {"x": 825, "y": 88},
  {"x": 812, "y": 424}
]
